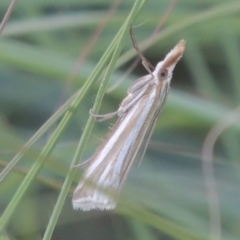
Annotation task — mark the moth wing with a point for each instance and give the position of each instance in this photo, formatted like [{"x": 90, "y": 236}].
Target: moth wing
[{"x": 145, "y": 142}]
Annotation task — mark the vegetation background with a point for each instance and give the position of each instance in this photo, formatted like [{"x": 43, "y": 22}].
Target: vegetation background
[{"x": 173, "y": 194}]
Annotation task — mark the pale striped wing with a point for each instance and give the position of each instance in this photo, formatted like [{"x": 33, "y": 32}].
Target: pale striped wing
[
  {"x": 107, "y": 169},
  {"x": 109, "y": 165}
]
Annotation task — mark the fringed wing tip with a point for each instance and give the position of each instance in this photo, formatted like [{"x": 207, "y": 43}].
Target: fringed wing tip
[{"x": 90, "y": 204}]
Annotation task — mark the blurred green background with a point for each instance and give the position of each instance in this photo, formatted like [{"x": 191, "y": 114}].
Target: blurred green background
[{"x": 166, "y": 197}]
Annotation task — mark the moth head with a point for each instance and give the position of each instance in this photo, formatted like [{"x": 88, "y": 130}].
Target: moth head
[
  {"x": 164, "y": 69},
  {"x": 161, "y": 73}
]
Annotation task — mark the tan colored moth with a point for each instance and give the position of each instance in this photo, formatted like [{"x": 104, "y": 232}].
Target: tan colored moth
[{"x": 105, "y": 172}]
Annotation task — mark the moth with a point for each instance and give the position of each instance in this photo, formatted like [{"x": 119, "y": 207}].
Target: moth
[{"x": 106, "y": 171}]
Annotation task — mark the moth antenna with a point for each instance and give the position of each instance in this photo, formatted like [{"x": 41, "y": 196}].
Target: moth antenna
[{"x": 148, "y": 66}]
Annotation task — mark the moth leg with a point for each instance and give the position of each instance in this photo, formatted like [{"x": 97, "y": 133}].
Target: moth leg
[
  {"x": 140, "y": 84},
  {"x": 80, "y": 165},
  {"x": 102, "y": 117},
  {"x": 148, "y": 66},
  {"x": 130, "y": 100}
]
